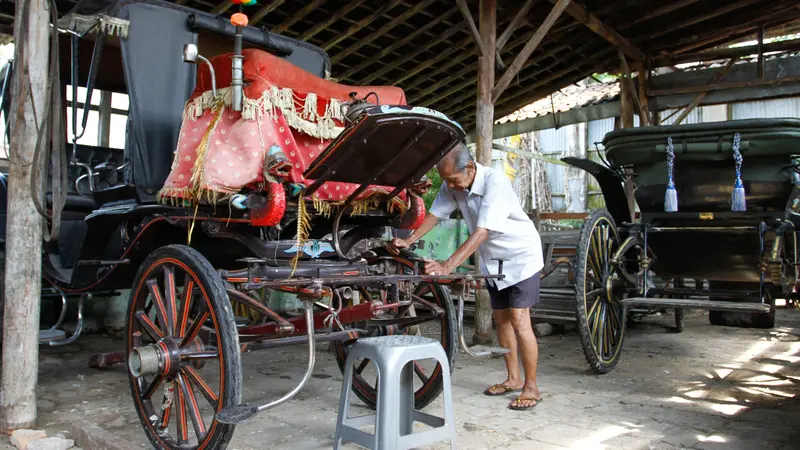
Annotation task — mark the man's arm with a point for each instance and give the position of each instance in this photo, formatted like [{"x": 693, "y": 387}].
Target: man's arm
[{"x": 427, "y": 225}]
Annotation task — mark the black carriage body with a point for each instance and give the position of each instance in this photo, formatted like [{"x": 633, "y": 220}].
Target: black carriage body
[{"x": 105, "y": 235}]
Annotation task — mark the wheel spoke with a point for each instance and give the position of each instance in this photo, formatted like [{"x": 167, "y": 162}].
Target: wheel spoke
[
  {"x": 601, "y": 330},
  {"x": 171, "y": 298},
  {"x": 593, "y": 309},
  {"x": 421, "y": 373},
  {"x": 161, "y": 309},
  {"x": 194, "y": 329},
  {"x": 595, "y": 293},
  {"x": 595, "y": 328},
  {"x": 149, "y": 326},
  {"x": 362, "y": 366},
  {"x": 188, "y": 289},
  {"x": 194, "y": 409},
  {"x": 180, "y": 411},
  {"x": 194, "y": 378},
  {"x": 148, "y": 393}
]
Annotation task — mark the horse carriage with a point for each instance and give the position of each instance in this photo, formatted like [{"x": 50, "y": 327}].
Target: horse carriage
[
  {"x": 718, "y": 206},
  {"x": 243, "y": 173}
]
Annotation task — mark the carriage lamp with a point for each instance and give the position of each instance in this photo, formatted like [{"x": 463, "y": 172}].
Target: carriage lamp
[{"x": 191, "y": 55}]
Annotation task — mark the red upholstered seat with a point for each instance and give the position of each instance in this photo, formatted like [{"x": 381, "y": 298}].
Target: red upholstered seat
[
  {"x": 221, "y": 152},
  {"x": 260, "y": 67}
]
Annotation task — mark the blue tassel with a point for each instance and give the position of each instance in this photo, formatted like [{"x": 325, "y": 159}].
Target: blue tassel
[
  {"x": 671, "y": 195},
  {"x": 671, "y": 198},
  {"x": 738, "y": 198}
]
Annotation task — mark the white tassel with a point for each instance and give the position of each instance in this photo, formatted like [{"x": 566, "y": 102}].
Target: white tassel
[{"x": 310, "y": 107}]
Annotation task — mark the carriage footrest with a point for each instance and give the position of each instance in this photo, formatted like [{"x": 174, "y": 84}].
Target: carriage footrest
[
  {"x": 51, "y": 335},
  {"x": 697, "y": 304}
]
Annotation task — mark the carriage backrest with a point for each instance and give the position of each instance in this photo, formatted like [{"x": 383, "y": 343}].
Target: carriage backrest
[{"x": 159, "y": 83}]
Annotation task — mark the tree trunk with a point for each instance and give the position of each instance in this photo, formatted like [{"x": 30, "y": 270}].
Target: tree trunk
[
  {"x": 484, "y": 124},
  {"x": 24, "y": 225}
]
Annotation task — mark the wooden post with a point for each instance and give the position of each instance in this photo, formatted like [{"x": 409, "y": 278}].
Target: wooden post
[
  {"x": 24, "y": 224},
  {"x": 644, "y": 101},
  {"x": 626, "y": 116},
  {"x": 483, "y": 131}
]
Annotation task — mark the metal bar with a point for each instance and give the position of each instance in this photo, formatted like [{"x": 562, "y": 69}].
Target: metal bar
[
  {"x": 373, "y": 280},
  {"x": 318, "y": 337},
  {"x": 284, "y": 328},
  {"x": 722, "y": 229},
  {"x": 696, "y": 304},
  {"x": 701, "y": 292},
  {"x": 529, "y": 48}
]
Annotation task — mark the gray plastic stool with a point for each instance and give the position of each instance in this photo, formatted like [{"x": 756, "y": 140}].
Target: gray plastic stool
[{"x": 395, "y": 414}]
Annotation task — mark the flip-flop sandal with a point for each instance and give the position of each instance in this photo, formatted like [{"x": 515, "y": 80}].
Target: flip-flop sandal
[
  {"x": 506, "y": 389},
  {"x": 519, "y": 399}
]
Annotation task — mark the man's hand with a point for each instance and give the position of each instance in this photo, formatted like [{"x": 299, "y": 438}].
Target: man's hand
[
  {"x": 397, "y": 244},
  {"x": 436, "y": 268}
]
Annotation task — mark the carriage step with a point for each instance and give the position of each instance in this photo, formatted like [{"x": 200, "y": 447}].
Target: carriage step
[
  {"x": 51, "y": 335},
  {"x": 697, "y": 304},
  {"x": 103, "y": 262},
  {"x": 482, "y": 350}
]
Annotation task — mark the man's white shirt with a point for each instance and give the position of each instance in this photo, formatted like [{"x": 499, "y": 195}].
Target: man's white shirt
[{"x": 491, "y": 203}]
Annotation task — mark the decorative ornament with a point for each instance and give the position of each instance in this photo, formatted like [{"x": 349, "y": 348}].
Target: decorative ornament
[
  {"x": 671, "y": 195},
  {"x": 738, "y": 201},
  {"x": 248, "y": 2},
  {"x": 239, "y": 20}
]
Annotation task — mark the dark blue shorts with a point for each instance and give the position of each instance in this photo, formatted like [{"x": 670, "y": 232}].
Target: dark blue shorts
[{"x": 524, "y": 294}]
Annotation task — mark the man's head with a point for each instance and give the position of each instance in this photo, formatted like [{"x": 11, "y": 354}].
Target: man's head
[{"x": 457, "y": 168}]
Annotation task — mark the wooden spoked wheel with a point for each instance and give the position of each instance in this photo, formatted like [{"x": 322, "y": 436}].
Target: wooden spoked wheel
[
  {"x": 599, "y": 287},
  {"x": 183, "y": 350},
  {"x": 421, "y": 318}
]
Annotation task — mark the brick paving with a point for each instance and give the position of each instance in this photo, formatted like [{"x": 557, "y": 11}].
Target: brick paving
[{"x": 706, "y": 388}]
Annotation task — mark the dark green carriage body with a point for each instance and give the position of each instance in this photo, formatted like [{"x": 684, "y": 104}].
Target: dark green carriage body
[{"x": 704, "y": 175}]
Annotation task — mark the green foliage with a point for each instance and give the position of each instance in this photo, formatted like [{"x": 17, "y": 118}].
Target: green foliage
[{"x": 432, "y": 175}]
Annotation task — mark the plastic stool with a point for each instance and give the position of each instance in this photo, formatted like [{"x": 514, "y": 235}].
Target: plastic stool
[{"x": 395, "y": 413}]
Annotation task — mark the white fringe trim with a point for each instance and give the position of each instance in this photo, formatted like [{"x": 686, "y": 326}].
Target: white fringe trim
[
  {"x": 80, "y": 24},
  {"x": 274, "y": 99}
]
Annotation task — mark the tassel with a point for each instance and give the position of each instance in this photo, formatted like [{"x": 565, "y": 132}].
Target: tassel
[
  {"x": 738, "y": 200},
  {"x": 671, "y": 195}
]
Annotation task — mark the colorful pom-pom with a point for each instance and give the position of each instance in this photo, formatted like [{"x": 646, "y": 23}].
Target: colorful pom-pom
[
  {"x": 239, "y": 20},
  {"x": 248, "y": 2}
]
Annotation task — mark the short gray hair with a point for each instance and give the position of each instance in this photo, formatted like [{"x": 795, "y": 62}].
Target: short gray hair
[{"x": 460, "y": 156}]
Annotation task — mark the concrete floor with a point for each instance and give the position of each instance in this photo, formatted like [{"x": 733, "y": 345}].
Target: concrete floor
[{"x": 706, "y": 388}]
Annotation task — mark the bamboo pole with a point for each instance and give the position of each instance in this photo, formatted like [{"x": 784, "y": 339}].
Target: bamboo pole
[
  {"x": 24, "y": 225},
  {"x": 485, "y": 122}
]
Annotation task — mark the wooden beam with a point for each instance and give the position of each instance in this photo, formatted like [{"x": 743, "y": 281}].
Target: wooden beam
[
  {"x": 266, "y": 9},
  {"x": 701, "y": 95},
  {"x": 668, "y": 7},
  {"x": 402, "y": 18},
  {"x": 485, "y": 120},
  {"x": 361, "y": 24},
  {"x": 223, "y": 6},
  {"x": 760, "y": 67},
  {"x": 670, "y": 28},
  {"x": 418, "y": 51},
  {"x": 644, "y": 118},
  {"x": 593, "y": 23},
  {"x": 467, "y": 15},
  {"x": 643, "y": 80},
  {"x": 299, "y": 15},
  {"x": 727, "y": 53},
  {"x": 23, "y": 249},
  {"x": 526, "y": 51},
  {"x": 386, "y": 51},
  {"x": 512, "y": 26},
  {"x": 340, "y": 13}
]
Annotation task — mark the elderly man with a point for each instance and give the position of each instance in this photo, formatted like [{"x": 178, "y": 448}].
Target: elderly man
[{"x": 499, "y": 229}]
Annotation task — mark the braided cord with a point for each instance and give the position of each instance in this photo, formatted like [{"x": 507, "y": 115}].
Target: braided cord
[
  {"x": 737, "y": 157},
  {"x": 670, "y": 160}
]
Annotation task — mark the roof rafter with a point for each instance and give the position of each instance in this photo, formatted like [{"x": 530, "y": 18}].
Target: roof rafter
[{"x": 591, "y": 21}]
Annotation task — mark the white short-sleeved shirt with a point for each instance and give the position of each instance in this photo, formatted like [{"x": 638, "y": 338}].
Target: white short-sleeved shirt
[{"x": 491, "y": 203}]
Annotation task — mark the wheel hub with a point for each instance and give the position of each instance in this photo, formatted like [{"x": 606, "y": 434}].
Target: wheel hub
[{"x": 161, "y": 358}]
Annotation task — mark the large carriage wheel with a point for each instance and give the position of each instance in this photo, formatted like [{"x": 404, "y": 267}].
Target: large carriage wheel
[
  {"x": 599, "y": 287},
  {"x": 184, "y": 361},
  {"x": 428, "y": 379}
]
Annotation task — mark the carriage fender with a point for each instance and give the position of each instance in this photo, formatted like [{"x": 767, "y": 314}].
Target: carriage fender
[{"x": 610, "y": 185}]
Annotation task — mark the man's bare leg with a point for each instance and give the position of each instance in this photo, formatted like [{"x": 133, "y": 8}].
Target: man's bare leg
[
  {"x": 520, "y": 319},
  {"x": 508, "y": 339}
]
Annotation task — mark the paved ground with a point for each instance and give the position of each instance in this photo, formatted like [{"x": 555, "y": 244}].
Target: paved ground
[{"x": 707, "y": 388}]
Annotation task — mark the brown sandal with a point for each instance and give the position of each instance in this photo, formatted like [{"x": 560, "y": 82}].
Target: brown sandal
[
  {"x": 506, "y": 389},
  {"x": 514, "y": 405}
]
